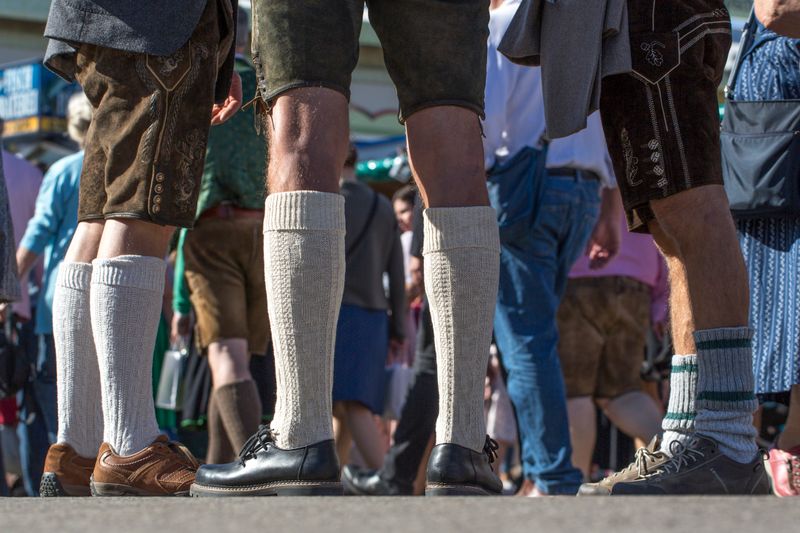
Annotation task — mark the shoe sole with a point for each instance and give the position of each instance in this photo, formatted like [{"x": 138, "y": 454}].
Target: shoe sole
[
  {"x": 101, "y": 490},
  {"x": 278, "y": 488},
  {"x": 442, "y": 489},
  {"x": 51, "y": 487}
]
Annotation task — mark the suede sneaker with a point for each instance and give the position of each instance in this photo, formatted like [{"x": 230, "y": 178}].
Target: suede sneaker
[
  {"x": 65, "y": 472},
  {"x": 699, "y": 468},
  {"x": 645, "y": 462},
  {"x": 164, "y": 468},
  {"x": 783, "y": 469}
]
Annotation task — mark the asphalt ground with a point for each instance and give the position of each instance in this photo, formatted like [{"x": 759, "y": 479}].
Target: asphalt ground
[{"x": 387, "y": 515}]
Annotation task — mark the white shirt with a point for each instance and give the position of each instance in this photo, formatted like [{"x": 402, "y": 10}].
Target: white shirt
[{"x": 515, "y": 112}]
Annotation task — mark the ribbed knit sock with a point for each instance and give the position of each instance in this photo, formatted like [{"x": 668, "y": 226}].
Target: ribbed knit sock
[
  {"x": 127, "y": 292},
  {"x": 304, "y": 269},
  {"x": 678, "y": 423},
  {"x": 725, "y": 390},
  {"x": 219, "y": 446},
  {"x": 80, "y": 413},
  {"x": 240, "y": 408},
  {"x": 462, "y": 262}
]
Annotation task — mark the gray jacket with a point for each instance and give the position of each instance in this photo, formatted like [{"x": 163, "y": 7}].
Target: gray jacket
[{"x": 577, "y": 43}]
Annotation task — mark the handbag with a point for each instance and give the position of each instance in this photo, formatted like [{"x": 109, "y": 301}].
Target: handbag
[
  {"x": 760, "y": 144},
  {"x": 15, "y": 368},
  {"x": 173, "y": 367},
  {"x": 780, "y": 16}
]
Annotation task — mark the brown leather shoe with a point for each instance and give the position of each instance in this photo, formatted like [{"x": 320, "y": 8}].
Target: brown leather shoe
[
  {"x": 164, "y": 468},
  {"x": 65, "y": 472}
]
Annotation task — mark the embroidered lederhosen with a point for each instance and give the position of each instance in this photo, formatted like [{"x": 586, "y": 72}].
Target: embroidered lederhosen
[{"x": 661, "y": 120}]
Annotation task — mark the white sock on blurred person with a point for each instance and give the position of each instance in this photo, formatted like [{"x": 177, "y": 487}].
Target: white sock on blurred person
[
  {"x": 80, "y": 414},
  {"x": 462, "y": 262},
  {"x": 304, "y": 269},
  {"x": 679, "y": 422},
  {"x": 126, "y": 297}
]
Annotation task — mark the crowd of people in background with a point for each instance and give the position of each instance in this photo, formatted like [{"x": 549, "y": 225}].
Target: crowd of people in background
[{"x": 581, "y": 323}]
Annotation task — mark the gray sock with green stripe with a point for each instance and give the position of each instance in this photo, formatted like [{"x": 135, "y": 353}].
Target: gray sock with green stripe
[
  {"x": 725, "y": 398},
  {"x": 678, "y": 423}
]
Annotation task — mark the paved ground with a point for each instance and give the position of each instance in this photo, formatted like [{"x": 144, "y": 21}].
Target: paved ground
[{"x": 385, "y": 515}]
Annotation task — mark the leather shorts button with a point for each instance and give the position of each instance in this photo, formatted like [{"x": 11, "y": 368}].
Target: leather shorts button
[
  {"x": 159, "y": 188},
  {"x": 160, "y": 177},
  {"x": 156, "y": 208},
  {"x": 156, "y": 199}
]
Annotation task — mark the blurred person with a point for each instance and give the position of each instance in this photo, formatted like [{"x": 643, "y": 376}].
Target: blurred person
[
  {"x": 48, "y": 234},
  {"x": 36, "y": 430},
  {"x": 435, "y": 53},
  {"x": 501, "y": 423},
  {"x": 157, "y": 76},
  {"x": 22, "y": 184},
  {"x": 9, "y": 292},
  {"x": 603, "y": 323},
  {"x": 369, "y": 321},
  {"x": 414, "y": 432},
  {"x": 404, "y": 201},
  {"x": 555, "y": 200},
  {"x": 224, "y": 269},
  {"x": 769, "y": 71}
]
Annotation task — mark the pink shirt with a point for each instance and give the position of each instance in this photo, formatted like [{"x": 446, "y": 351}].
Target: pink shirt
[
  {"x": 638, "y": 259},
  {"x": 23, "y": 181}
]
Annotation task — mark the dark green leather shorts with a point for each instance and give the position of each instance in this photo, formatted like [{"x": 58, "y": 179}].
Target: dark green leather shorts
[{"x": 435, "y": 50}]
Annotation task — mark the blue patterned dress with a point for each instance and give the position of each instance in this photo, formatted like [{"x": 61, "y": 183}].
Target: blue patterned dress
[{"x": 771, "y": 246}]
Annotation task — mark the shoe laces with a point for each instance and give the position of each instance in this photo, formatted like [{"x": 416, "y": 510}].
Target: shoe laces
[
  {"x": 262, "y": 438},
  {"x": 490, "y": 448},
  {"x": 640, "y": 461},
  {"x": 682, "y": 455}
]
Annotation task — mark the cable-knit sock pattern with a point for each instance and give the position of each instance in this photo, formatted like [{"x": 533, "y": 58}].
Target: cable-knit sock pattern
[
  {"x": 79, "y": 401},
  {"x": 678, "y": 423},
  {"x": 462, "y": 253},
  {"x": 126, "y": 298},
  {"x": 304, "y": 268},
  {"x": 725, "y": 397}
]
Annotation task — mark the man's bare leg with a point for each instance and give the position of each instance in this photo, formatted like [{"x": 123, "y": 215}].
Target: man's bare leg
[
  {"x": 461, "y": 252},
  {"x": 304, "y": 265},
  {"x": 711, "y": 294}
]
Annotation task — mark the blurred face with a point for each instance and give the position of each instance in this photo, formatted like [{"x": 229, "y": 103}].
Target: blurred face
[{"x": 404, "y": 212}]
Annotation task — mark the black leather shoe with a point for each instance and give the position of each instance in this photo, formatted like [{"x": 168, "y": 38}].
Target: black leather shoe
[
  {"x": 359, "y": 482},
  {"x": 457, "y": 471},
  {"x": 263, "y": 469}
]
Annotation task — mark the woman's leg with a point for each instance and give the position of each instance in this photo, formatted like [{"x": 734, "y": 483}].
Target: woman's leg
[
  {"x": 341, "y": 432},
  {"x": 365, "y": 433}
]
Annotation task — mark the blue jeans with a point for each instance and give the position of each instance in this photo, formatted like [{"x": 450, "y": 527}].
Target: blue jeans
[
  {"x": 540, "y": 242},
  {"x": 38, "y": 424}
]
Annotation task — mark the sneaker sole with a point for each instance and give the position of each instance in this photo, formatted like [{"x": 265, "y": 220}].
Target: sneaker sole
[
  {"x": 443, "y": 489},
  {"x": 277, "y": 488},
  {"x": 100, "y": 490},
  {"x": 51, "y": 487}
]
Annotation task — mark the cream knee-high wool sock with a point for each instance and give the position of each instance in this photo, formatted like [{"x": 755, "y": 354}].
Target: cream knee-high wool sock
[
  {"x": 462, "y": 262},
  {"x": 126, "y": 298},
  {"x": 80, "y": 413},
  {"x": 304, "y": 269}
]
